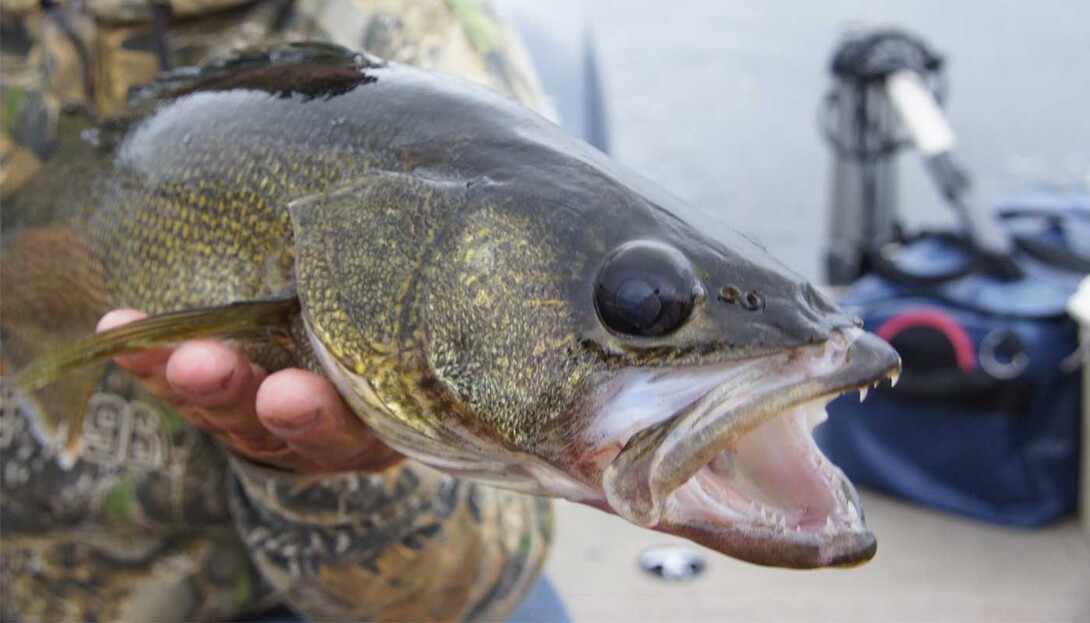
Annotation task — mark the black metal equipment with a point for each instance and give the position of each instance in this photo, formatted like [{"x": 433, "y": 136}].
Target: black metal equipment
[{"x": 887, "y": 94}]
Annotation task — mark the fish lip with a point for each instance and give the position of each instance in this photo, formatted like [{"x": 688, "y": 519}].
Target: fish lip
[
  {"x": 661, "y": 458},
  {"x": 847, "y": 549}
]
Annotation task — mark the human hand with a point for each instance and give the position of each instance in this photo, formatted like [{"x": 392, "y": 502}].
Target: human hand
[{"x": 292, "y": 418}]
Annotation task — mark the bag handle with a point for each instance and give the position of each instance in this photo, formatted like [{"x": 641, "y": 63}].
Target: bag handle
[
  {"x": 1054, "y": 254},
  {"x": 1050, "y": 253},
  {"x": 891, "y": 270}
]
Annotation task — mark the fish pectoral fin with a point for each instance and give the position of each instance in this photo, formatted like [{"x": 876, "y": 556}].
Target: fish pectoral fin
[{"x": 262, "y": 319}]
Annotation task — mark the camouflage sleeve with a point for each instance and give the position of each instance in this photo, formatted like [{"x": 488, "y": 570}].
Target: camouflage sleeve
[
  {"x": 26, "y": 121},
  {"x": 133, "y": 527},
  {"x": 407, "y": 543}
]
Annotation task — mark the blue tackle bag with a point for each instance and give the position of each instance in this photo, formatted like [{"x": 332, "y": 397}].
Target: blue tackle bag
[{"x": 985, "y": 420}]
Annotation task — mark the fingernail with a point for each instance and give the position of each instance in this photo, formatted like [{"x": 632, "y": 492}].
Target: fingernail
[
  {"x": 296, "y": 424},
  {"x": 117, "y": 318},
  {"x": 221, "y": 383}
]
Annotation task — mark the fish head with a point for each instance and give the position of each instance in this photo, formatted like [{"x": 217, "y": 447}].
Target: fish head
[
  {"x": 719, "y": 365},
  {"x": 625, "y": 359},
  {"x": 565, "y": 328},
  {"x": 699, "y": 367}
]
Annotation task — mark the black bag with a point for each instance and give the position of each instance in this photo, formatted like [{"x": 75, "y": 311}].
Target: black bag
[{"x": 985, "y": 420}]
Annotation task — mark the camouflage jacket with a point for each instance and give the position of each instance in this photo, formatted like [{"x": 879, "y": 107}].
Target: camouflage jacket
[
  {"x": 90, "y": 56},
  {"x": 153, "y": 520}
]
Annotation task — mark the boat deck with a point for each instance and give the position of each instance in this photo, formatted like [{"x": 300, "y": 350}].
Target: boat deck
[{"x": 930, "y": 566}]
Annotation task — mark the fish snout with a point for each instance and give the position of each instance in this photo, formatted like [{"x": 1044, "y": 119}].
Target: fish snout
[
  {"x": 733, "y": 465},
  {"x": 781, "y": 316}
]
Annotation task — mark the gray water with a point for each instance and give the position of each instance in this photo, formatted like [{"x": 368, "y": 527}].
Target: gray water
[{"x": 717, "y": 101}]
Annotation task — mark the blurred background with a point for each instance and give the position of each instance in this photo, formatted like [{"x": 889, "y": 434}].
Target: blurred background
[{"x": 718, "y": 102}]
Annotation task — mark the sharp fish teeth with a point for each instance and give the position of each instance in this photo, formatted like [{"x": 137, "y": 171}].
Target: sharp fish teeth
[
  {"x": 893, "y": 378},
  {"x": 862, "y": 393},
  {"x": 829, "y": 528},
  {"x": 853, "y": 512}
]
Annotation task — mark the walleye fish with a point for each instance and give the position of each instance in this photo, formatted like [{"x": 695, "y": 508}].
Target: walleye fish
[{"x": 494, "y": 298}]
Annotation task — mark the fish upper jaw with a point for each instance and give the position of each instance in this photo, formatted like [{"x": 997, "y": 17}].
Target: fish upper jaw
[{"x": 724, "y": 454}]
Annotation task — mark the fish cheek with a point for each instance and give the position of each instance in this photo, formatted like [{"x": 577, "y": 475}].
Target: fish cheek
[{"x": 500, "y": 325}]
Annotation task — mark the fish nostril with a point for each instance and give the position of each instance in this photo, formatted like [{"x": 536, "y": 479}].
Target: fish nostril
[
  {"x": 753, "y": 301},
  {"x": 730, "y": 294},
  {"x": 750, "y": 300}
]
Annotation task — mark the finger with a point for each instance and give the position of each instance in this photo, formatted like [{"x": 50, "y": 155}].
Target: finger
[
  {"x": 307, "y": 412},
  {"x": 214, "y": 382},
  {"x": 146, "y": 364}
]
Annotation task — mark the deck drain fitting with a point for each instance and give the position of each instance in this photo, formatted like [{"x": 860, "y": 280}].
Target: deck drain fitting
[{"x": 673, "y": 563}]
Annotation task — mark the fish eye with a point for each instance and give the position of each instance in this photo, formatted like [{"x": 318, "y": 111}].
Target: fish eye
[{"x": 645, "y": 289}]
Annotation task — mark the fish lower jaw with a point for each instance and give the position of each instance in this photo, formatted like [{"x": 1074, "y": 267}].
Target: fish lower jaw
[
  {"x": 773, "y": 492},
  {"x": 737, "y": 469}
]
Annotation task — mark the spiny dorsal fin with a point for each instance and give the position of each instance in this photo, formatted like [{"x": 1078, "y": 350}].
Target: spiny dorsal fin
[
  {"x": 210, "y": 74},
  {"x": 250, "y": 319}
]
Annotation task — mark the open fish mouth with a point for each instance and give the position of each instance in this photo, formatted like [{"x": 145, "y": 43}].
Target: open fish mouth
[{"x": 735, "y": 466}]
